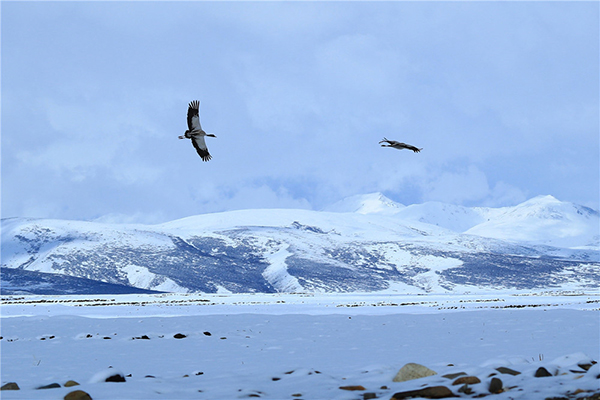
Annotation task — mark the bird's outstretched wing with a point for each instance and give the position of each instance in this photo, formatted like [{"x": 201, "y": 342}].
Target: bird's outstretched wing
[
  {"x": 410, "y": 147},
  {"x": 200, "y": 146},
  {"x": 193, "y": 116}
]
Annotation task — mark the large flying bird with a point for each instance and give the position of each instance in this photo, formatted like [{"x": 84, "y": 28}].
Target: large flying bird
[
  {"x": 399, "y": 145},
  {"x": 195, "y": 131}
]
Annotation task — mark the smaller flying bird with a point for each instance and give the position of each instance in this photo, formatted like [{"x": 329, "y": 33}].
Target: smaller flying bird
[
  {"x": 399, "y": 145},
  {"x": 195, "y": 131}
]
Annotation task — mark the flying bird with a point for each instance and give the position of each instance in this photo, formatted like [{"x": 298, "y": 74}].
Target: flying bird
[
  {"x": 399, "y": 145},
  {"x": 195, "y": 131}
]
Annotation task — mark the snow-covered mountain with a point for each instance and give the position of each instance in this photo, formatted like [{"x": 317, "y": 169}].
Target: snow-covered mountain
[{"x": 364, "y": 243}]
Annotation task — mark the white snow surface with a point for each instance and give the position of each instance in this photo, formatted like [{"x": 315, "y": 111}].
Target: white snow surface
[{"x": 275, "y": 346}]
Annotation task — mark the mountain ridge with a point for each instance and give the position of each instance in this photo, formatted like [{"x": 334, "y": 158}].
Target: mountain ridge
[{"x": 379, "y": 245}]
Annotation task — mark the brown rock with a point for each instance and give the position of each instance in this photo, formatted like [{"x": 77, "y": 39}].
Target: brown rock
[
  {"x": 496, "y": 386},
  {"x": 453, "y": 376},
  {"x": 431, "y": 392},
  {"x": 77, "y": 395},
  {"x": 369, "y": 396},
  {"x": 469, "y": 380},
  {"x": 585, "y": 366},
  {"x": 353, "y": 387},
  {"x": 71, "y": 383},
  {"x": 413, "y": 371},
  {"x": 507, "y": 371},
  {"x": 10, "y": 386}
]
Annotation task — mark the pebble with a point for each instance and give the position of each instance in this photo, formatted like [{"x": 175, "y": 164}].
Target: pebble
[
  {"x": 353, "y": 387},
  {"x": 77, "y": 395},
  {"x": 466, "y": 380},
  {"x": 542, "y": 372},
  {"x": 507, "y": 371},
  {"x": 495, "y": 386},
  {"x": 50, "y": 386},
  {"x": 10, "y": 386},
  {"x": 430, "y": 392},
  {"x": 115, "y": 378}
]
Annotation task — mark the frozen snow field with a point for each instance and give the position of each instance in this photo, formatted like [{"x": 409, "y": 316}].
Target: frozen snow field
[{"x": 298, "y": 346}]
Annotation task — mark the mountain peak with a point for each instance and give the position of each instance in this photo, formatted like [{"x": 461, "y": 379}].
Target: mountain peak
[{"x": 371, "y": 203}]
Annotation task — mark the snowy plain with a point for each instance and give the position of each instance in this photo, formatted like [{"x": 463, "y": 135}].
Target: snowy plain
[{"x": 292, "y": 346}]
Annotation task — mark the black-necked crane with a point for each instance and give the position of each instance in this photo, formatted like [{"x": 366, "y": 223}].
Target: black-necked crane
[
  {"x": 195, "y": 131},
  {"x": 399, "y": 145}
]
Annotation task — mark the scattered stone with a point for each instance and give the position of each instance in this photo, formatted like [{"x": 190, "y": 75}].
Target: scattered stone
[
  {"x": 179, "y": 336},
  {"x": 469, "y": 380},
  {"x": 10, "y": 386},
  {"x": 199, "y": 373},
  {"x": 369, "y": 396},
  {"x": 207, "y": 333},
  {"x": 223, "y": 338},
  {"x": 507, "y": 371},
  {"x": 144, "y": 337},
  {"x": 77, "y": 395},
  {"x": 542, "y": 372},
  {"x": 71, "y": 384},
  {"x": 453, "y": 376},
  {"x": 495, "y": 386},
  {"x": 353, "y": 387},
  {"x": 275, "y": 379},
  {"x": 431, "y": 392},
  {"x": 585, "y": 366},
  {"x": 297, "y": 395},
  {"x": 413, "y": 371},
  {"x": 106, "y": 337},
  {"x": 50, "y": 386},
  {"x": 465, "y": 389},
  {"x": 115, "y": 378},
  {"x": 89, "y": 335}
]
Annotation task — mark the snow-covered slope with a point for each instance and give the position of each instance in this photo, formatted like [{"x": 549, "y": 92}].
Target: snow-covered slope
[
  {"x": 373, "y": 203},
  {"x": 544, "y": 220},
  {"x": 365, "y": 243}
]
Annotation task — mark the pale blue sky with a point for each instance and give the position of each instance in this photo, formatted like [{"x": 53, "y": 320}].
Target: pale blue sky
[{"x": 502, "y": 96}]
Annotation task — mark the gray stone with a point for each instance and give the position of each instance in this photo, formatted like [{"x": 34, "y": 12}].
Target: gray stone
[
  {"x": 115, "y": 378},
  {"x": 496, "y": 386},
  {"x": 50, "y": 386},
  {"x": 542, "y": 372},
  {"x": 413, "y": 371}
]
